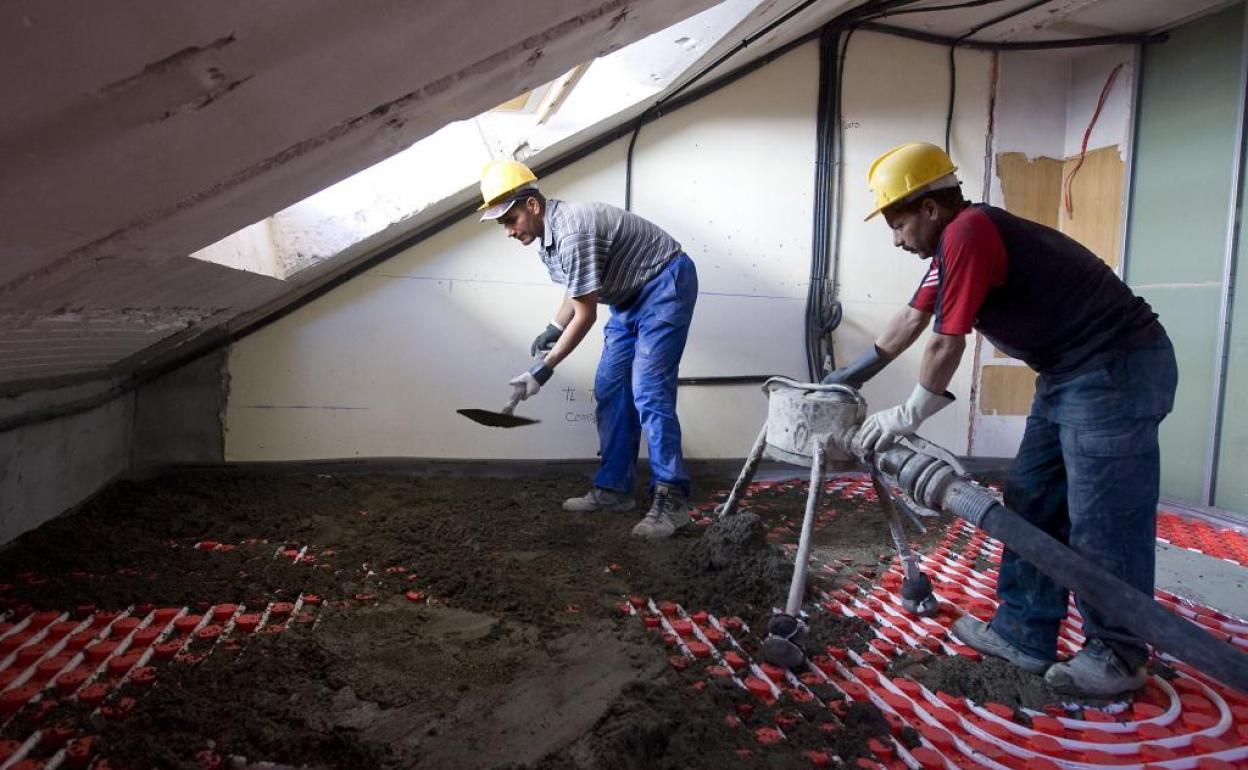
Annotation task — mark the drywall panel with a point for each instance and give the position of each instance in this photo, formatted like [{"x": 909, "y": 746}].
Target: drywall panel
[
  {"x": 1180, "y": 195},
  {"x": 1189, "y": 94},
  {"x": 894, "y": 385},
  {"x": 1090, "y": 70},
  {"x": 49, "y": 467},
  {"x": 378, "y": 366},
  {"x": 1033, "y": 92},
  {"x": 1189, "y": 315},
  {"x": 884, "y": 105},
  {"x": 731, "y": 179},
  {"x": 1231, "y": 491}
]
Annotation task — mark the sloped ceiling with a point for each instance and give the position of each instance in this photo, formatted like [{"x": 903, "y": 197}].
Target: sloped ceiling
[{"x": 136, "y": 133}]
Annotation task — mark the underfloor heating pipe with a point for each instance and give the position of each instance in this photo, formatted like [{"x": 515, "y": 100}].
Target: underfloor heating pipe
[{"x": 1121, "y": 603}]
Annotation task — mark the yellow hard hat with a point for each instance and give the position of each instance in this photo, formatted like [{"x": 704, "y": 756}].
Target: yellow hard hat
[
  {"x": 499, "y": 179},
  {"x": 907, "y": 169}
]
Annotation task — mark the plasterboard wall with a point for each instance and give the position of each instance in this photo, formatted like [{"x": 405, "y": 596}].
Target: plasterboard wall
[
  {"x": 377, "y": 367},
  {"x": 1189, "y": 97},
  {"x": 885, "y": 105}
]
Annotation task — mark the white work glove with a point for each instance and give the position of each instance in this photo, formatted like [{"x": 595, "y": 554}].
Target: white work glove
[
  {"x": 884, "y": 427},
  {"x": 530, "y": 382}
]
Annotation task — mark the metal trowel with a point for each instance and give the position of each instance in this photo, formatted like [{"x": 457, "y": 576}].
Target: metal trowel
[{"x": 500, "y": 419}]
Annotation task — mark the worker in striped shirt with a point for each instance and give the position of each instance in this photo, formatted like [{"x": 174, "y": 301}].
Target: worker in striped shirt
[{"x": 606, "y": 255}]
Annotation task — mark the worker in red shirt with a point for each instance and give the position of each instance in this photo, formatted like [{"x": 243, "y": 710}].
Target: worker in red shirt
[{"x": 1088, "y": 469}]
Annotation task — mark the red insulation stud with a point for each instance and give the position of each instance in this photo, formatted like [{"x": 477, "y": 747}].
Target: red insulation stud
[
  {"x": 93, "y": 694},
  {"x": 97, "y": 652},
  {"x": 247, "y": 623},
  {"x": 8, "y": 748},
  {"x": 78, "y": 753},
  {"x": 71, "y": 680},
  {"x": 11, "y": 701},
  {"x": 187, "y": 623}
]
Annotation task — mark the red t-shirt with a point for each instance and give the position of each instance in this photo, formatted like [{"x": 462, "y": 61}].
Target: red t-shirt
[{"x": 970, "y": 261}]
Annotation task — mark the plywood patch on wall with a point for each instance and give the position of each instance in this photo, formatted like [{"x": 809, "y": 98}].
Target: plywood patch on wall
[
  {"x": 1096, "y": 197},
  {"x": 1006, "y": 390},
  {"x": 1032, "y": 188}
]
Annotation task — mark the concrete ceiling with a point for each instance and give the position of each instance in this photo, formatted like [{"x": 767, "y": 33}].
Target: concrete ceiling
[{"x": 137, "y": 133}]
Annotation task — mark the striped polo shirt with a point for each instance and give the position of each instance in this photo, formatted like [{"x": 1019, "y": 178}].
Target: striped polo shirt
[{"x": 596, "y": 247}]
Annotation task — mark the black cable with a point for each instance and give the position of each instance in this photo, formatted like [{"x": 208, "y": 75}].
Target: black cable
[
  {"x": 953, "y": 71},
  {"x": 953, "y": 94},
  {"x": 1026, "y": 45},
  {"x": 929, "y": 9},
  {"x": 628, "y": 164},
  {"x": 823, "y": 310},
  {"x": 736, "y": 379}
]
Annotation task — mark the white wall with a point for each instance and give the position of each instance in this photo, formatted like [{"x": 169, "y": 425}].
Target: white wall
[
  {"x": 897, "y": 91},
  {"x": 377, "y": 367}
]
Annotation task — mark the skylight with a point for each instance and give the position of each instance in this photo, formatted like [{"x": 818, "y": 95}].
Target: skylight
[{"x": 448, "y": 161}]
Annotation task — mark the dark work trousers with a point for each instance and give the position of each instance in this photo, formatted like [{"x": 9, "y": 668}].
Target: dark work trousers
[
  {"x": 635, "y": 387},
  {"x": 1087, "y": 473}
]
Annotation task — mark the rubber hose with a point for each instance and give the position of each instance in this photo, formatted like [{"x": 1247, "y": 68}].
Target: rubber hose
[{"x": 1121, "y": 603}]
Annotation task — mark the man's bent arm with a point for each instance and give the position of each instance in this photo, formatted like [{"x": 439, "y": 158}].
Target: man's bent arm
[
  {"x": 567, "y": 309},
  {"x": 902, "y": 330},
  {"x": 582, "y": 312},
  {"x": 940, "y": 360}
]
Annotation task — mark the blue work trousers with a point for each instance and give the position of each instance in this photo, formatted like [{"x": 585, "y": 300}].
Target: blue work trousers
[
  {"x": 1087, "y": 473},
  {"x": 635, "y": 387}
]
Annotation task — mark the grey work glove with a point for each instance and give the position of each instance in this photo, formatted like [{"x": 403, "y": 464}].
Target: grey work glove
[
  {"x": 858, "y": 371},
  {"x": 547, "y": 339},
  {"x": 884, "y": 427},
  {"x": 530, "y": 382}
]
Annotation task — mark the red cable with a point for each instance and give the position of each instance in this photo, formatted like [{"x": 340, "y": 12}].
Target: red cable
[{"x": 1087, "y": 134}]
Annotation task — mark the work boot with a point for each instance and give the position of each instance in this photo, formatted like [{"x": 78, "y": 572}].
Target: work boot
[
  {"x": 1096, "y": 671},
  {"x": 600, "y": 499},
  {"x": 668, "y": 513},
  {"x": 979, "y": 635}
]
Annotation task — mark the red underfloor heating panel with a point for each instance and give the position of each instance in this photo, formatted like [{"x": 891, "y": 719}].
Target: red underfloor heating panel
[
  {"x": 88, "y": 655},
  {"x": 1187, "y": 722}
]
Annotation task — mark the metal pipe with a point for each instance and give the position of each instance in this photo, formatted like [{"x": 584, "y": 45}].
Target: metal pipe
[
  {"x": 797, "y": 588},
  {"x": 733, "y": 502},
  {"x": 1128, "y": 172},
  {"x": 732, "y": 379},
  {"x": 1228, "y": 283}
]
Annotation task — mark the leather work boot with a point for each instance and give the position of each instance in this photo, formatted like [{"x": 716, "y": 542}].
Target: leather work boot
[
  {"x": 979, "y": 635},
  {"x": 1096, "y": 671},
  {"x": 600, "y": 499},
  {"x": 668, "y": 513}
]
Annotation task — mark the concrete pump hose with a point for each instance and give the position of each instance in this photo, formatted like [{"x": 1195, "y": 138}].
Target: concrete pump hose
[{"x": 1121, "y": 603}]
